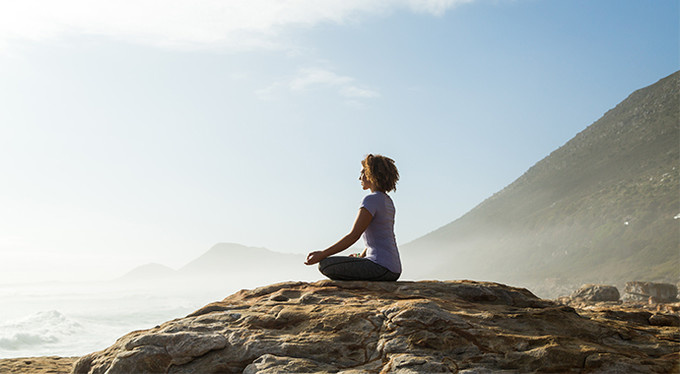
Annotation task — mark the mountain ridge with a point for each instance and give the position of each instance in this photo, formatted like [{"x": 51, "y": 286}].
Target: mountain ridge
[
  {"x": 228, "y": 261},
  {"x": 613, "y": 184},
  {"x": 148, "y": 271}
]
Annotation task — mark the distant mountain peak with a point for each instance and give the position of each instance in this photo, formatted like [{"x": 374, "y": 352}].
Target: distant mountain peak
[{"x": 149, "y": 271}]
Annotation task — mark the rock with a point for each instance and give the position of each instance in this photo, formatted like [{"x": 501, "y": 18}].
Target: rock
[
  {"x": 596, "y": 292},
  {"x": 646, "y": 291},
  {"x": 37, "y": 365},
  {"x": 635, "y": 316},
  {"x": 392, "y": 327},
  {"x": 408, "y": 363},
  {"x": 270, "y": 364},
  {"x": 664, "y": 320}
]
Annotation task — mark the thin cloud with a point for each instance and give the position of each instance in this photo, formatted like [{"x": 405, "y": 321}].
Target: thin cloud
[
  {"x": 314, "y": 79},
  {"x": 182, "y": 24},
  {"x": 358, "y": 92},
  {"x": 309, "y": 78}
]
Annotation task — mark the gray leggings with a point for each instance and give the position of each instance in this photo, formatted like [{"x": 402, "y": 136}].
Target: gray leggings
[{"x": 355, "y": 268}]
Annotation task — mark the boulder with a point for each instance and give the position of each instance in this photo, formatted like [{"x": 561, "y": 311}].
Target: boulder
[
  {"x": 596, "y": 292},
  {"x": 389, "y": 327},
  {"x": 650, "y": 292}
]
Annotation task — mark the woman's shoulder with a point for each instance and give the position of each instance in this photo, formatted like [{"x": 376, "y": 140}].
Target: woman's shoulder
[
  {"x": 376, "y": 197},
  {"x": 372, "y": 198}
]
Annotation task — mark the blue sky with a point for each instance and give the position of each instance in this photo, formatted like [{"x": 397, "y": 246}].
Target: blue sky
[{"x": 147, "y": 133}]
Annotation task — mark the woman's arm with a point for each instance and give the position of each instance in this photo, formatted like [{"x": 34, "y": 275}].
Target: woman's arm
[{"x": 360, "y": 224}]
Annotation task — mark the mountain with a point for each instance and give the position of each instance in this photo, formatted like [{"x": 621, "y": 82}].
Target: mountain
[
  {"x": 148, "y": 271},
  {"x": 603, "y": 208},
  {"x": 231, "y": 258},
  {"x": 235, "y": 263}
]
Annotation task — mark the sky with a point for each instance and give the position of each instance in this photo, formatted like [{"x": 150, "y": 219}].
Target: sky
[{"x": 147, "y": 131}]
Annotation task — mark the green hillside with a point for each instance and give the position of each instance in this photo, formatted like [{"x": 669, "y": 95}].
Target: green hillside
[{"x": 601, "y": 208}]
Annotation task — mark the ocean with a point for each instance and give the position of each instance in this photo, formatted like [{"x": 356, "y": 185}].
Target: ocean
[{"x": 73, "y": 319}]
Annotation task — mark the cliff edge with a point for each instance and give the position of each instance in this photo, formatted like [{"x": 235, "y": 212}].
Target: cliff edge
[{"x": 424, "y": 327}]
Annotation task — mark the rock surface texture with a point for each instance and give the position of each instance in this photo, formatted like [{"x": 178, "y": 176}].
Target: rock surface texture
[
  {"x": 660, "y": 292},
  {"x": 392, "y": 327},
  {"x": 596, "y": 292},
  {"x": 37, "y": 365}
]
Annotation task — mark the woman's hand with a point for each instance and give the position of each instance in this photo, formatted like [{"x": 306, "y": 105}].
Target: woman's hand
[
  {"x": 361, "y": 255},
  {"x": 315, "y": 257},
  {"x": 362, "y": 221}
]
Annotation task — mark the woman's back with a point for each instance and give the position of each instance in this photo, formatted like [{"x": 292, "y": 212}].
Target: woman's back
[{"x": 379, "y": 238}]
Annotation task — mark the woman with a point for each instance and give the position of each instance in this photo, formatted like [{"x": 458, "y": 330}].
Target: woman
[{"x": 380, "y": 259}]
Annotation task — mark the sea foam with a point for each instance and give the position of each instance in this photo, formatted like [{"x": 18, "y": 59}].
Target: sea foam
[
  {"x": 39, "y": 329},
  {"x": 76, "y": 319}
]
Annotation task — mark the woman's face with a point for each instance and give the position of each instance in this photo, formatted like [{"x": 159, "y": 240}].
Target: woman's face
[{"x": 365, "y": 183}]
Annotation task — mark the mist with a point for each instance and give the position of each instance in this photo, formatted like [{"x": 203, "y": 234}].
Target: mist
[{"x": 78, "y": 317}]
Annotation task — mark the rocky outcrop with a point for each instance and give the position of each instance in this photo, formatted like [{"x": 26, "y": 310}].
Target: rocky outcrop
[
  {"x": 656, "y": 292},
  {"x": 37, "y": 365},
  {"x": 405, "y": 327},
  {"x": 596, "y": 292}
]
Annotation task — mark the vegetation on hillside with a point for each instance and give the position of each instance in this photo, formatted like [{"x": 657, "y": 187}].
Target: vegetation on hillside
[{"x": 600, "y": 209}]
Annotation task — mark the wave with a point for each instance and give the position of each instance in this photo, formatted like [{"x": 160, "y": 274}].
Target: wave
[
  {"x": 77, "y": 319},
  {"x": 42, "y": 328},
  {"x": 54, "y": 333}
]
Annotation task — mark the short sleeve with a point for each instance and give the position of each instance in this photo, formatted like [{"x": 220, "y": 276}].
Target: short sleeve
[{"x": 370, "y": 202}]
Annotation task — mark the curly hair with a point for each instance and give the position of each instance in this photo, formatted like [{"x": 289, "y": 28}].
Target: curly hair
[{"x": 381, "y": 172}]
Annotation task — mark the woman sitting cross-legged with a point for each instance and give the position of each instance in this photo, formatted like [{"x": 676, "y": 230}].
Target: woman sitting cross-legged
[{"x": 380, "y": 259}]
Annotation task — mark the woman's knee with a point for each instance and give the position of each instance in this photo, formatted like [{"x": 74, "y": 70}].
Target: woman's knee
[
  {"x": 339, "y": 268},
  {"x": 325, "y": 264},
  {"x": 326, "y": 268}
]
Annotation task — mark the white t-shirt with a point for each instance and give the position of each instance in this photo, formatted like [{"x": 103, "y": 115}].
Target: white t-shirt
[{"x": 379, "y": 238}]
